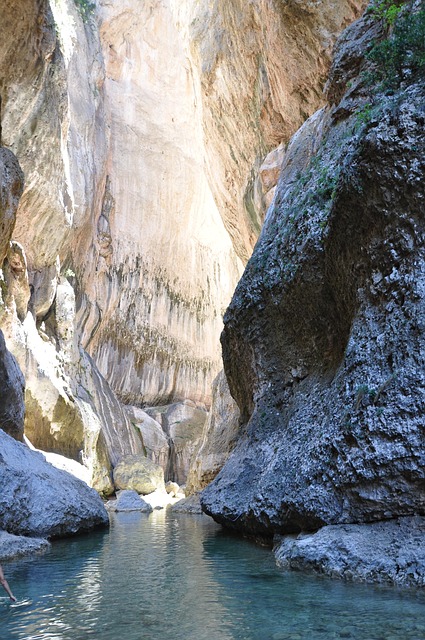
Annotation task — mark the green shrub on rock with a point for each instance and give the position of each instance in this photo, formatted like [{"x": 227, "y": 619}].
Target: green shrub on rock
[{"x": 402, "y": 55}]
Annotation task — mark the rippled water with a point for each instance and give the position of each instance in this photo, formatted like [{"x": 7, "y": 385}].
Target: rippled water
[{"x": 178, "y": 577}]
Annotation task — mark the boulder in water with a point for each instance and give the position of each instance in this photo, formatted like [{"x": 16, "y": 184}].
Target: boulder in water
[
  {"x": 36, "y": 499},
  {"x": 129, "y": 500},
  {"x": 138, "y": 473}
]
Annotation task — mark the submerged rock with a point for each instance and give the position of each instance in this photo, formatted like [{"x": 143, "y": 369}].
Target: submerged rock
[
  {"x": 389, "y": 552},
  {"x": 138, "y": 473},
  {"x": 36, "y": 499}
]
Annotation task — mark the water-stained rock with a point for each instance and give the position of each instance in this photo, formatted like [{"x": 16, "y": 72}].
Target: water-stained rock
[{"x": 324, "y": 340}]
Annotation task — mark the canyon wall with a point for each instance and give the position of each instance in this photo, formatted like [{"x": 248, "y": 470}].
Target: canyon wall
[
  {"x": 323, "y": 343},
  {"x": 140, "y": 128}
]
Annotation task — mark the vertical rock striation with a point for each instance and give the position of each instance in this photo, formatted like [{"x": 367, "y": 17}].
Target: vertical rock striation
[
  {"x": 140, "y": 128},
  {"x": 12, "y": 387}
]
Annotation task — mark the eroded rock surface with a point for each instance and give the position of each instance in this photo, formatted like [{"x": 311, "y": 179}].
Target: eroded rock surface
[
  {"x": 324, "y": 339},
  {"x": 38, "y": 500},
  {"x": 138, "y": 473},
  {"x": 390, "y": 552},
  {"x": 156, "y": 444},
  {"x": 12, "y": 386},
  {"x": 140, "y": 129},
  {"x": 183, "y": 423},
  {"x": 218, "y": 437},
  {"x": 12, "y": 184}
]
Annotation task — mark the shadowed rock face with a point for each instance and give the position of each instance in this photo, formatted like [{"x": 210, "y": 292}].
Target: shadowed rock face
[
  {"x": 11, "y": 187},
  {"x": 218, "y": 437},
  {"x": 324, "y": 340},
  {"x": 12, "y": 385}
]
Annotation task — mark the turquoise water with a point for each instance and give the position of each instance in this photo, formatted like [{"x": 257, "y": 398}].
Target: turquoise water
[{"x": 179, "y": 577}]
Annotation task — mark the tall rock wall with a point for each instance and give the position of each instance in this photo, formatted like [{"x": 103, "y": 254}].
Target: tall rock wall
[
  {"x": 262, "y": 66},
  {"x": 161, "y": 267},
  {"x": 139, "y": 128},
  {"x": 324, "y": 339}
]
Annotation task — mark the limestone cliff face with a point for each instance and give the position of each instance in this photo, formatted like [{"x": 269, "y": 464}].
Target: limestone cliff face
[
  {"x": 139, "y": 128},
  {"x": 160, "y": 268},
  {"x": 262, "y": 68},
  {"x": 219, "y": 435},
  {"x": 323, "y": 342}
]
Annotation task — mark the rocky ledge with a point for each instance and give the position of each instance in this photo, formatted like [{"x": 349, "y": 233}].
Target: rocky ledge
[
  {"x": 389, "y": 552},
  {"x": 17, "y": 546}
]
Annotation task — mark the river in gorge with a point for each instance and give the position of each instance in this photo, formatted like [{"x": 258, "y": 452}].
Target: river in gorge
[{"x": 181, "y": 577}]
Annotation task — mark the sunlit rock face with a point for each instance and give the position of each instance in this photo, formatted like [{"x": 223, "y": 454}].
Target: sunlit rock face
[
  {"x": 140, "y": 128},
  {"x": 195, "y": 97},
  {"x": 161, "y": 267},
  {"x": 262, "y": 67},
  {"x": 51, "y": 76},
  {"x": 52, "y": 116}
]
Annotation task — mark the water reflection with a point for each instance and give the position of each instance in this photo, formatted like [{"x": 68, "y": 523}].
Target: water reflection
[{"x": 179, "y": 577}]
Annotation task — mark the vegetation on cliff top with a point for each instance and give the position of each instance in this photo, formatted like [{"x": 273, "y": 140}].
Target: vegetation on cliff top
[{"x": 400, "y": 56}]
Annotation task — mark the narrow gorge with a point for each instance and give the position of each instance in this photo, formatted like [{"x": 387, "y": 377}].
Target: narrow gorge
[{"x": 170, "y": 163}]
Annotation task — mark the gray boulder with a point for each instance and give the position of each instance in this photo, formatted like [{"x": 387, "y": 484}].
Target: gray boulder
[
  {"x": 382, "y": 552},
  {"x": 188, "y": 505},
  {"x": 36, "y": 499},
  {"x": 12, "y": 385},
  {"x": 138, "y": 473},
  {"x": 17, "y": 546},
  {"x": 129, "y": 500}
]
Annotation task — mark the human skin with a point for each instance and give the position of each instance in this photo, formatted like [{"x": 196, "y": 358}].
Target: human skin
[{"x": 5, "y": 585}]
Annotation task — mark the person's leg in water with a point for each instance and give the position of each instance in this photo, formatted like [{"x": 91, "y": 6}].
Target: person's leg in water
[{"x": 5, "y": 585}]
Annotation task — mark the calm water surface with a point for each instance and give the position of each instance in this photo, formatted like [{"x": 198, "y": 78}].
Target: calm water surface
[{"x": 178, "y": 577}]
